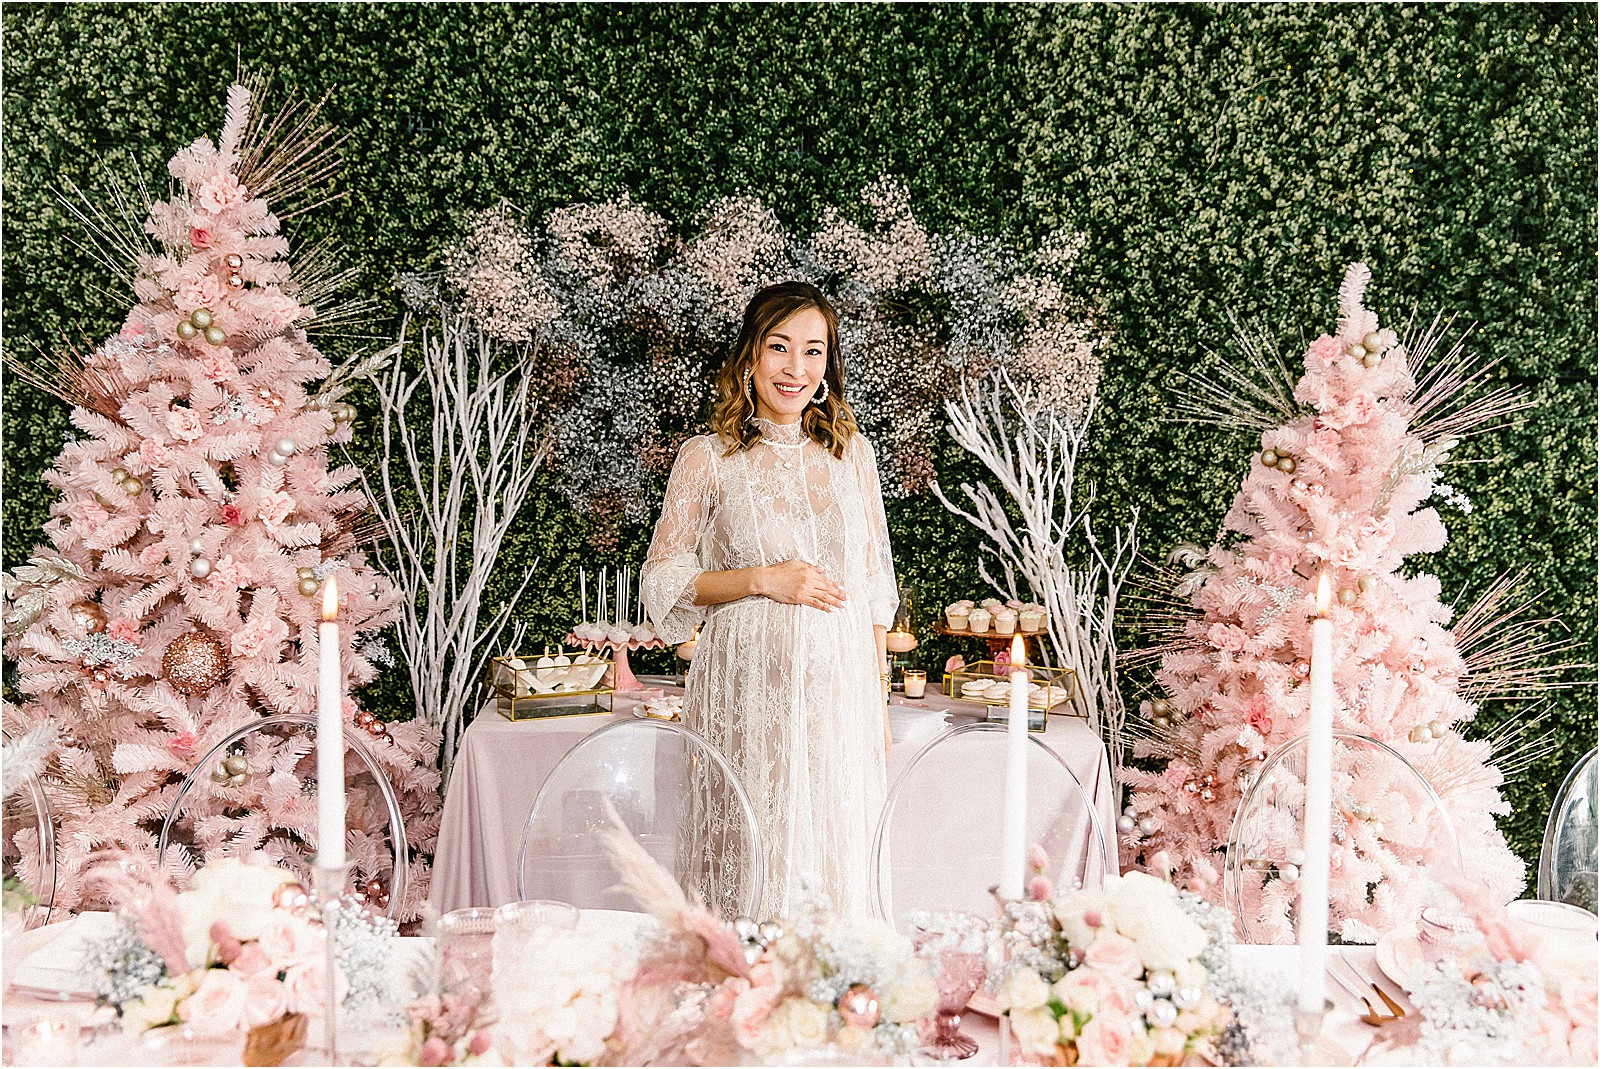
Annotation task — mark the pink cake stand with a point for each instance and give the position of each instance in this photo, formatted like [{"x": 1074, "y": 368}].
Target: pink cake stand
[{"x": 625, "y": 682}]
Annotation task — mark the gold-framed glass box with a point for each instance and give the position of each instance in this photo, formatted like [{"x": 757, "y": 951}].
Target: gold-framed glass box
[
  {"x": 989, "y": 683},
  {"x": 568, "y": 683}
]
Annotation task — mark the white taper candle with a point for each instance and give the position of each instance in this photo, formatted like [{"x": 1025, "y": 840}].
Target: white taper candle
[
  {"x": 1313, "y": 915},
  {"x": 330, "y": 732}
]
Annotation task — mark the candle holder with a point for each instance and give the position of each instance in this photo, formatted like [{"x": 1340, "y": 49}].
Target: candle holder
[
  {"x": 1308, "y": 1030},
  {"x": 48, "y": 1039},
  {"x": 328, "y": 880}
]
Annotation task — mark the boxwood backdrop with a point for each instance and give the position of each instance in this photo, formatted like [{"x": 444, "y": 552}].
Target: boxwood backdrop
[{"x": 1225, "y": 161}]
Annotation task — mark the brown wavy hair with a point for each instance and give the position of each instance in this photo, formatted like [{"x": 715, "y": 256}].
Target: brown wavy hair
[{"x": 830, "y": 424}]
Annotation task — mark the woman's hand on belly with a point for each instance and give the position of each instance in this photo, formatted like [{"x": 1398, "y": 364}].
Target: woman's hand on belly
[{"x": 795, "y": 582}]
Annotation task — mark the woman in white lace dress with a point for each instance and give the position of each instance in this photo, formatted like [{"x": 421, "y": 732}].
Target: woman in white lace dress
[{"x": 773, "y": 534}]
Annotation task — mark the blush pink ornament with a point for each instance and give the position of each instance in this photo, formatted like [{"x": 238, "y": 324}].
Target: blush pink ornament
[{"x": 859, "y": 1006}]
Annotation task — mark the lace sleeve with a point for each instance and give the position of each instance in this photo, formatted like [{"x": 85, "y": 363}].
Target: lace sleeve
[
  {"x": 883, "y": 595},
  {"x": 674, "y": 560}
]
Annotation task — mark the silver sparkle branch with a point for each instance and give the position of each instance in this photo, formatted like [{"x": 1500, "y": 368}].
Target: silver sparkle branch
[
  {"x": 1032, "y": 451},
  {"x": 449, "y": 488}
]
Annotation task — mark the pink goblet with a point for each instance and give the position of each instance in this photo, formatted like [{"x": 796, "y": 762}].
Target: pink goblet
[{"x": 956, "y": 949}]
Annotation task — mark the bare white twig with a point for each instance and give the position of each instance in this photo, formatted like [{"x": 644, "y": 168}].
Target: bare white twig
[
  {"x": 1032, "y": 452},
  {"x": 469, "y": 466}
]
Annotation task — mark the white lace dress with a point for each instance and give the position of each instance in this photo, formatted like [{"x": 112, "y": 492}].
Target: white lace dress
[{"x": 789, "y": 694}]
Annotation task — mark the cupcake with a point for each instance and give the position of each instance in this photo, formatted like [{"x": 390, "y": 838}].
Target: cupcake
[
  {"x": 956, "y": 616},
  {"x": 1005, "y": 622},
  {"x": 1029, "y": 618},
  {"x": 978, "y": 621},
  {"x": 992, "y": 604}
]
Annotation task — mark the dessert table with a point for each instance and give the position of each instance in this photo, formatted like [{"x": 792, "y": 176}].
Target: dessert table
[{"x": 500, "y": 766}]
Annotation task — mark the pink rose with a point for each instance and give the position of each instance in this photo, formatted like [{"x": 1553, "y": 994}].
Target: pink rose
[
  {"x": 228, "y": 948},
  {"x": 123, "y": 630},
  {"x": 1113, "y": 994},
  {"x": 199, "y": 237},
  {"x": 1105, "y": 1040},
  {"x": 275, "y": 509},
  {"x": 479, "y": 1042},
  {"x": 217, "y": 1008},
  {"x": 1115, "y": 954},
  {"x": 220, "y": 193},
  {"x": 182, "y": 744},
  {"x": 216, "y": 365},
  {"x": 231, "y": 516},
  {"x": 289, "y": 941},
  {"x": 228, "y": 572},
  {"x": 153, "y": 554},
  {"x": 184, "y": 424},
  {"x": 207, "y": 291},
  {"x": 266, "y": 999},
  {"x": 132, "y": 329},
  {"x": 1324, "y": 348},
  {"x": 153, "y": 452},
  {"x": 251, "y": 960},
  {"x": 306, "y": 986},
  {"x": 1261, "y": 722}
]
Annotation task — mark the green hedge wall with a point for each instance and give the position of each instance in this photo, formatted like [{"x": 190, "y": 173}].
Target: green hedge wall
[{"x": 1226, "y": 161}]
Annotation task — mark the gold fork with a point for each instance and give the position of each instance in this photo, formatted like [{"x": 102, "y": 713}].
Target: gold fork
[{"x": 1373, "y": 1016}]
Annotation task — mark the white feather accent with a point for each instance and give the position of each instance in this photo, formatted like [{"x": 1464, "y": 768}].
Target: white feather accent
[
  {"x": 238, "y": 118},
  {"x": 1351, "y": 291}
]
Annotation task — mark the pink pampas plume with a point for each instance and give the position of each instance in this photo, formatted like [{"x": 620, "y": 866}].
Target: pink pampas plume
[{"x": 146, "y": 895}]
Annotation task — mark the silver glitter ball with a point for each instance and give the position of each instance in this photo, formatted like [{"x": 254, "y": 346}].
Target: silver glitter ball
[
  {"x": 1148, "y": 826},
  {"x": 1163, "y": 1013},
  {"x": 1187, "y": 998},
  {"x": 1161, "y": 983},
  {"x": 200, "y": 567},
  {"x": 746, "y": 929},
  {"x": 1143, "y": 999},
  {"x": 197, "y": 547},
  {"x": 1126, "y": 824}
]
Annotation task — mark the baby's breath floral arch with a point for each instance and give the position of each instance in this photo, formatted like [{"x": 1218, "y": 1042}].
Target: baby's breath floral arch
[{"x": 634, "y": 319}]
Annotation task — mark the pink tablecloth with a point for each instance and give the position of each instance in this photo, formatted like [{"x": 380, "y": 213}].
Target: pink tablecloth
[{"x": 501, "y": 765}]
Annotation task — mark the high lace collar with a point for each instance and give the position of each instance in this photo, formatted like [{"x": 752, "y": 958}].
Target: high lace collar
[{"x": 780, "y": 433}]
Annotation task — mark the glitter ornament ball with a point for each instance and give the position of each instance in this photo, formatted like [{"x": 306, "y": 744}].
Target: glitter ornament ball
[
  {"x": 233, "y": 260},
  {"x": 1286, "y": 465},
  {"x": 132, "y": 487},
  {"x": 216, "y": 335},
  {"x": 187, "y": 331},
  {"x": 309, "y": 586},
  {"x": 859, "y": 1006},
  {"x": 89, "y": 616},
  {"x": 201, "y": 318},
  {"x": 194, "y": 662}
]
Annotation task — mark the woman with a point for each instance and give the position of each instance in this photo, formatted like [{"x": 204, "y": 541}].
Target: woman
[{"x": 773, "y": 532}]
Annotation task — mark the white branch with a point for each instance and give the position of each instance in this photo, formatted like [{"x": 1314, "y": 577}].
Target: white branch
[
  {"x": 470, "y": 471},
  {"x": 1031, "y": 452}
]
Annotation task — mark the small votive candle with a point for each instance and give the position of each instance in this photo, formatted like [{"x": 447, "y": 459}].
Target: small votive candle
[
  {"x": 916, "y": 682},
  {"x": 47, "y": 1040}
]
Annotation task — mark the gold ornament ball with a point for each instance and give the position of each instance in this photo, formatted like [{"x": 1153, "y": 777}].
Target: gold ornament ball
[
  {"x": 1269, "y": 457},
  {"x": 1286, "y": 465},
  {"x": 187, "y": 331},
  {"x": 220, "y": 774},
  {"x": 216, "y": 335},
  {"x": 89, "y": 616},
  {"x": 1357, "y": 350},
  {"x": 132, "y": 486},
  {"x": 1371, "y": 360},
  {"x": 119, "y": 474},
  {"x": 194, "y": 662},
  {"x": 235, "y": 764},
  {"x": 1371, "y": 342},
  {"x": 1367, "y": 584},
  {"x": 309, "y": 586},
  {"x": 233, "y": 260},
  {"x": 200, "y": 317},
  {"x": 235, "y": 282}
]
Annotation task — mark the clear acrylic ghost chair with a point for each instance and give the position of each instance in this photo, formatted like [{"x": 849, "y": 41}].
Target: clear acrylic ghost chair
[
  {"x": 371, "y": 806},
  {"x": 937, "y": 844},
  {"x": 1266, "y": 843},
  {"x": 1567, "y": 861},
  {"x": 30, "y": 847},
  {"x": 673, "y": 791}
]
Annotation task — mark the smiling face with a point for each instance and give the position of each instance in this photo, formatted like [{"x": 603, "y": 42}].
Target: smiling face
[{"x": 790, "y": 366}]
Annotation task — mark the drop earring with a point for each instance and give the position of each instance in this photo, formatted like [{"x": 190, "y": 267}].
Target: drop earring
[{"x": 822, "y": 395}]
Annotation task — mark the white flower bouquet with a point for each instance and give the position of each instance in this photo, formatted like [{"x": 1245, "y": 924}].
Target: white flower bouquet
[{"x": 1116, "y": 975}]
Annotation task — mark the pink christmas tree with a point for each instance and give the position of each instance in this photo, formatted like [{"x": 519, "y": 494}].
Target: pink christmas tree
[
  {"x": 198, "y": 522},
  {"x": 1339, "y": 487}
]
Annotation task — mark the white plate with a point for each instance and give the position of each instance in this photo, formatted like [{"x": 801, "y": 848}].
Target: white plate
[
  {"x": 1398, "y": 956},
  {"x": 1559, "y": 918}
]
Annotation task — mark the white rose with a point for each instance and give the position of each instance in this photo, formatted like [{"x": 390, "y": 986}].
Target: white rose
[
  {"x": 1167, "y": 1042},
  {"x": 1074, "y": 994},
  {"x": 1023, "y": 989},
  {"x": 1069, "y": 910},
  {"x": 808, "y": 1023},
  {"x": 1036, "y": 1030},
  {"x": 1166, "y": 941},
  {"x": 914, "y": 997},
  {"x": 199, "y": 910},
  {"x": 1140, "y": 1047},
  {"x": 152, "y": 1009}
]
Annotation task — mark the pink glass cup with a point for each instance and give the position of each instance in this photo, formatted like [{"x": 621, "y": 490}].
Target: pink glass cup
[{"x": 959, "y": 973}]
